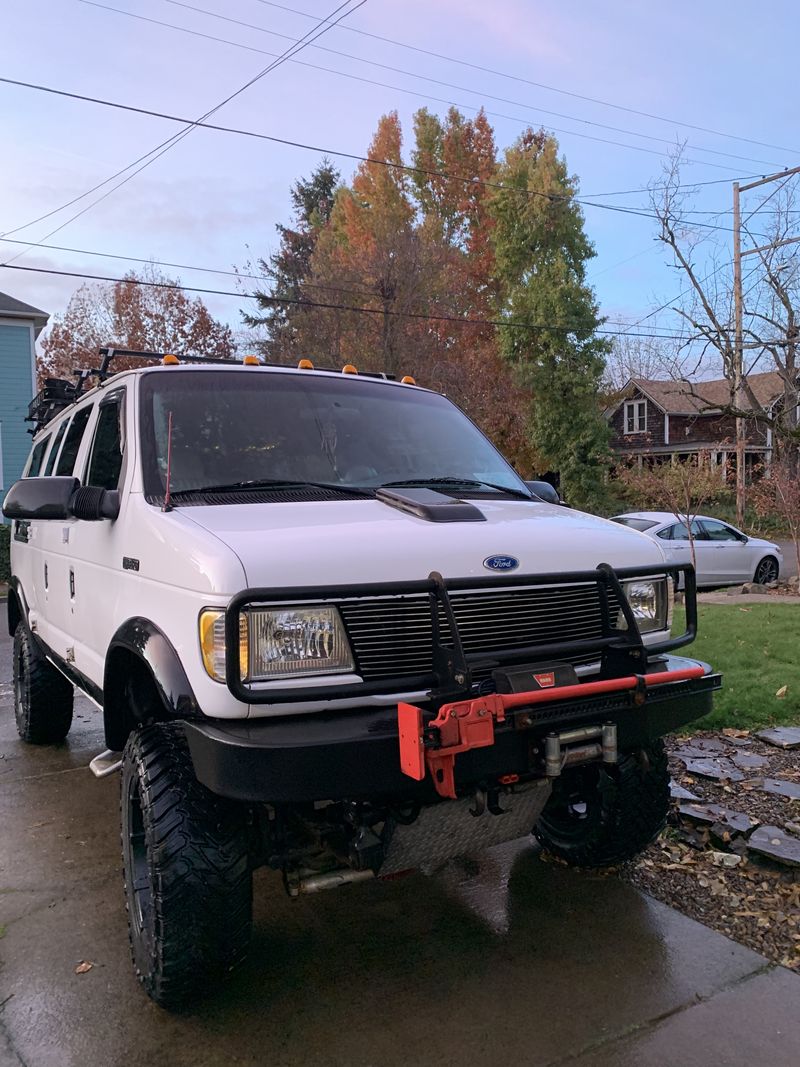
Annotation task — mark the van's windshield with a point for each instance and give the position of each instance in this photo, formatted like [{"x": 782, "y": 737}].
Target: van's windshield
[{"x": 249, "y": 427}]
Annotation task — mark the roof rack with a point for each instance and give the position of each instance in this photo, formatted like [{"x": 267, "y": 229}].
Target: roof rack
[
  {"x": 109, "y": 354},
  {"x": 58, "y": 393},
  {"x": 55, "y": 395}
]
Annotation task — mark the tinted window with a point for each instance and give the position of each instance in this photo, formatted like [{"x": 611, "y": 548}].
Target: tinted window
[
  {"x": 72, "y": 442},
  {"x": 231, "y": 426},
  {"x": 718, "y": 531},
  {"x": 38, "y": 455},
  {"x": 666, "y": 535},
  {"x": 636, "y": 524},
  {"x": 51, "y": 459},
  {"x": 680, "y": 533},
  {"x": 105, "y": 462}
]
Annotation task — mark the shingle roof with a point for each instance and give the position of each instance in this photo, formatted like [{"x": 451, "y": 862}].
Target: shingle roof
[
  {"x": 9, "y": 305},
  {"x": 696, "y": 398}
]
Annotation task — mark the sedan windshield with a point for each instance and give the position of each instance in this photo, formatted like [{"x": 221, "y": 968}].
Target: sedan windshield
[{"x": 235, "y": 429}]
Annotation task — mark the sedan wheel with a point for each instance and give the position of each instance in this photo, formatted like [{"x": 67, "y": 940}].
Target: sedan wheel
[{"x": 766, "y": 571}]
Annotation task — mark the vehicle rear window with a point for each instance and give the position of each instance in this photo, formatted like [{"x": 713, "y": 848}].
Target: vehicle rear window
[
  {"x": 105, "y": 462},
  {"x": 72, "y": 442},
  {"x": 635, "y": 524},
  {"x": 37, "y": 456},
  {"x": 51, "y": 459}
]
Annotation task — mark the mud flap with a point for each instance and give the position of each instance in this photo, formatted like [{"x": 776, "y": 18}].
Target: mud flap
[{"x": 449, "y": 829}]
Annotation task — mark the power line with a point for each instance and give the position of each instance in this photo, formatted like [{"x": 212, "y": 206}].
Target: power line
[
  {"x": 174, "y": 266},
  {"x": 540, "y": 85},
  {"x": 212, "y": 270},
  {"x": 402, "y": 89},
  {"x": 552, "y": 197},
  {"x": 434, "y": 81},
  {"x": 322, "y": 27},
  {"x": 290, "y": 301}
]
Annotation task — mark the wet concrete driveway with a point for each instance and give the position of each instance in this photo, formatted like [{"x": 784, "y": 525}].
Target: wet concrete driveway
[{"x": 509, "y": 960}]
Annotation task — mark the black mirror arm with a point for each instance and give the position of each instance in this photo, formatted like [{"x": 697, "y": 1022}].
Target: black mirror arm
[{"x": 92, "y": 504}]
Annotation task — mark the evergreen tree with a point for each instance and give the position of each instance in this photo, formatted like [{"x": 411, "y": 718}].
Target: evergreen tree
[
  {"x": 541, "y": 252},
  {"x": 288, "y": 269}
]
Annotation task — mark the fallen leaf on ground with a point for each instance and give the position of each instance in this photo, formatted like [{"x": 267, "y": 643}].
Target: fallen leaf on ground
[
  {"x": 782, "y": 692},
  {"x": 83, "y": 967}
]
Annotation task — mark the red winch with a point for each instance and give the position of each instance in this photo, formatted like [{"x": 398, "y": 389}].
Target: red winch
[{"x": 468, "y": 724}]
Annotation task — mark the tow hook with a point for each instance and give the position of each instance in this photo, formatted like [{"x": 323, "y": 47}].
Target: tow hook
[{"x": 582, "y": 745}]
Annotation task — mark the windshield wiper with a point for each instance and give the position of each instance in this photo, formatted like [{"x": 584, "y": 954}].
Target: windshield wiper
[
  {"x": 457, "y": 483},
  {"x": 276, "y": 484}
]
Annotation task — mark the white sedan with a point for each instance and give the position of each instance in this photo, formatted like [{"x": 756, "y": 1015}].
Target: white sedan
[{"x": 724, "y": 554}]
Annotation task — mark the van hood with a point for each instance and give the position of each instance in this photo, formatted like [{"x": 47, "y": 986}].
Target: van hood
[{"x": 341, "y": 542}]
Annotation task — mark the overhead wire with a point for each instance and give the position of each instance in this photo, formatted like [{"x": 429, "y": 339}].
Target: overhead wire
[
  {"x": 406, "y": 91},
  {"x": 437, "y": 81},
  {"x": 326, "y": 151},
  {"x": 150, "y": 157},
  {"x": 539, "y": 85},
  {"x": 213, "y": 270},
  {"x": 293, "y": 301}
]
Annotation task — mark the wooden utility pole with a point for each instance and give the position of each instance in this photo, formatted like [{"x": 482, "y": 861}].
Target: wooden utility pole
[
  {"x": 738, "y": 357},
  {"x": 739, "y": 398}
]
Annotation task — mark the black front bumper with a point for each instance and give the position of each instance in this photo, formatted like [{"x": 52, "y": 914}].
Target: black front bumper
[{"x": 356, "y": 754}]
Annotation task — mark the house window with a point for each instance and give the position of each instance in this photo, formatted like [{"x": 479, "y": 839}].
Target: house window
[{"x": 636, "y": 416}]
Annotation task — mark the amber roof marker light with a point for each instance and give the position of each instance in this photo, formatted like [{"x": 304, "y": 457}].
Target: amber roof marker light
[
  {"x": 251, "y": 361},
  {"x": 170, "y": 361},
  {"x": 305, "y": 364},
  {"x": 408, "y": 380},
  {"x": 348, "y": 368}
]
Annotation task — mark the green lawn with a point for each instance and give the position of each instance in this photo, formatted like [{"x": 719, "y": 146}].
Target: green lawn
[{"x": 757, "y": 649}]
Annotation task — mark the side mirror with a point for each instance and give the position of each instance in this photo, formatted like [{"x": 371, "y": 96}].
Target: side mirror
[
  {"x": 545, "y": 491},
  {"x": 40, "y": 498},
  {"x": 59, "y": 498}
]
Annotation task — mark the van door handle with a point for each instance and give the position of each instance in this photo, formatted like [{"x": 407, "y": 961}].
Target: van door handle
[{"x": 72, "y": 583}]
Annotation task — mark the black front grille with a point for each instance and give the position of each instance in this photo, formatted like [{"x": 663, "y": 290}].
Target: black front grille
[{"x": 392, "y": 636}]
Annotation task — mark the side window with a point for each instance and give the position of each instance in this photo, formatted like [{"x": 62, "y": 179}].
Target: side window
[
  {"x": 72, "y": 442},
  {"x": 718, "y": 531},
  {"x": 51, "y": 459},
  {"x": 680, "y": 533},
  {"x": 37, "y": 456},
  {"x": 105, "y": 461},
  {"x": 666, "y": 535}
]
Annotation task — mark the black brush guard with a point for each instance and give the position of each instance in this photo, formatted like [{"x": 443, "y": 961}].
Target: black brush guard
[{"x": 620, "y": 652}]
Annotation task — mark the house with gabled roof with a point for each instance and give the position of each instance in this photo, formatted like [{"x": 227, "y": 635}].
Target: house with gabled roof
[
  {"x": 652, "y": 421},
  {"x": 20, "y": 325}
]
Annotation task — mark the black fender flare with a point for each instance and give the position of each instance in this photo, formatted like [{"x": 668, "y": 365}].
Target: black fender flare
[
  {"x": 142, "y": 639},
  {"x": 17, "y": 606}
]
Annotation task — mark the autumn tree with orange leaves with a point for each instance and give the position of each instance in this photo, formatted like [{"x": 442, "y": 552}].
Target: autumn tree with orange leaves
[
  {"x": 418, "y": 262},
  {"x": 145, "y": 311}
]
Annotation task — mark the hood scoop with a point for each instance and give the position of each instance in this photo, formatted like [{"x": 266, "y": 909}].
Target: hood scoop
[{"x": 430, "y": 505}]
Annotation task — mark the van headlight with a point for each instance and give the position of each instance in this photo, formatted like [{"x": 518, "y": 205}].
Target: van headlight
[
  {"x": 651, "y": 603},
  {"x": 284, "y": 642}
]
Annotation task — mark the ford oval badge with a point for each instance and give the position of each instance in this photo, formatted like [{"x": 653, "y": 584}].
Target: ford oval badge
[{"x": 501, "y": 563}]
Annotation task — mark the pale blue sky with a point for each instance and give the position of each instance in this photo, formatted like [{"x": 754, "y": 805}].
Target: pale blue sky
[{"x": 719, "y": 64}]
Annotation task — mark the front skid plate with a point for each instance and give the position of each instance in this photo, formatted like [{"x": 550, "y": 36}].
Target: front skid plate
[{"x": 445, "y": 830}]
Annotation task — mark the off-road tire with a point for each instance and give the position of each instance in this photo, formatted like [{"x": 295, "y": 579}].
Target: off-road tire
[
  {"x": 598, "y": 816},
  {"x": 43, "y": 697},
  {"x": 186, "y": 869}
]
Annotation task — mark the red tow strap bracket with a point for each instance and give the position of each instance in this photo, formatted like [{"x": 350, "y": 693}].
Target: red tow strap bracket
[{"x": 469, "y": 724}]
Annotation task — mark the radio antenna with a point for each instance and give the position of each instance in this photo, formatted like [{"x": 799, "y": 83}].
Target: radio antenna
[{"x": 167, "y": 494}]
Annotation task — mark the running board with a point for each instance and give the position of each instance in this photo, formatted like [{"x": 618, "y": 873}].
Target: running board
[{"x": 105, "y": 763}]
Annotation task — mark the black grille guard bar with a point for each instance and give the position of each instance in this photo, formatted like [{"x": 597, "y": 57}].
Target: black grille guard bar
[{"x": 621, "y": 651}]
